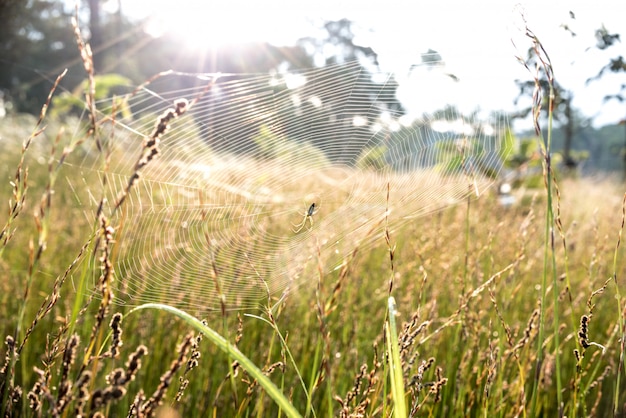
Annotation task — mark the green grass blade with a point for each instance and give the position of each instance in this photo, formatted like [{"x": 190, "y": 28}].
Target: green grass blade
[
  {"x": 395, "y": 365},
  {"x": 232, "y": 351}
]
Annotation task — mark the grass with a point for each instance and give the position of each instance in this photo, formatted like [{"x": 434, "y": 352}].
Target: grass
[{"x": 474, "y": 310}]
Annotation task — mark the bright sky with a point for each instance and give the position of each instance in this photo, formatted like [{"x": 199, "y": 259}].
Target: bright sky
[{"x": 473, "y": 38}]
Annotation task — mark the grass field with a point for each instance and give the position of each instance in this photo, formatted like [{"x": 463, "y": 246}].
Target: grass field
[{"x": 501, "y": 311}]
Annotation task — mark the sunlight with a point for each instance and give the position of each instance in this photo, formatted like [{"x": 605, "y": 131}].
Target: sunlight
[
  {"x": 221, "y": 27},
  {"x": 201, "y": 27},
  {"x": 399, "y": 36}
]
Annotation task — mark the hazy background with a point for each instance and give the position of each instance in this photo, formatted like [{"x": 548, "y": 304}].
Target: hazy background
[{"x": 441, "y": 53}]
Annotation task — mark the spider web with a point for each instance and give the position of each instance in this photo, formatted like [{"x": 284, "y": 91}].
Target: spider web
[{"x": 219, "y": 217}]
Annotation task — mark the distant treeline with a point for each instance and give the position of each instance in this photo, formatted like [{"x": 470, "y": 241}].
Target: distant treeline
[{"x": 594, "y": 149}]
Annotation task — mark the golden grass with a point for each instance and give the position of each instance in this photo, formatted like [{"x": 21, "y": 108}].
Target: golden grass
[
  {"x": 467, "y": 347},
  {"x": 469, "y": 281}
]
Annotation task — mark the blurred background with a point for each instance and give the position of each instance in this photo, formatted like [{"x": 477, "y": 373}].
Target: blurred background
[{"x": 435, "y": 50}]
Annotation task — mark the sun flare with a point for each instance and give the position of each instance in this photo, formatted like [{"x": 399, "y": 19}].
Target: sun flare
[{"x": 201, "y": 27}]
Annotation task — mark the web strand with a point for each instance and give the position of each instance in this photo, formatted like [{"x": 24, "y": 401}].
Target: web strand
[{"x": 211, "y": 219}]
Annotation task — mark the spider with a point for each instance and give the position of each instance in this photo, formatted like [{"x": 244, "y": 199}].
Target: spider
[{"x": 307, "y": 216}]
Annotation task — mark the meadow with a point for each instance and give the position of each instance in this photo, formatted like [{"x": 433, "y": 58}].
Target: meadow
[{"x": 476, "y": 309}]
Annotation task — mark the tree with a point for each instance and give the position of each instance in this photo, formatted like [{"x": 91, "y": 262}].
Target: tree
[
  {"x": 346, "y": 63},
  {"x": 36, "y": 44},
  {"x": 41, "y": 41},
  {"x": 350, "y": 68},
  {"x": 562, "y": 110},
  {"x": 605, "y": 40},
  {"x": 95, "y": 27},
  {"x": 339, "y": 35}
]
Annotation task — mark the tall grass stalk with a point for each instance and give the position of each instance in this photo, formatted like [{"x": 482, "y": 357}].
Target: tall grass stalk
[
  {"x": 549, "y": 253},
  {"x": 543, "y": 67},
  {"x": 621, "y": 312}
]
